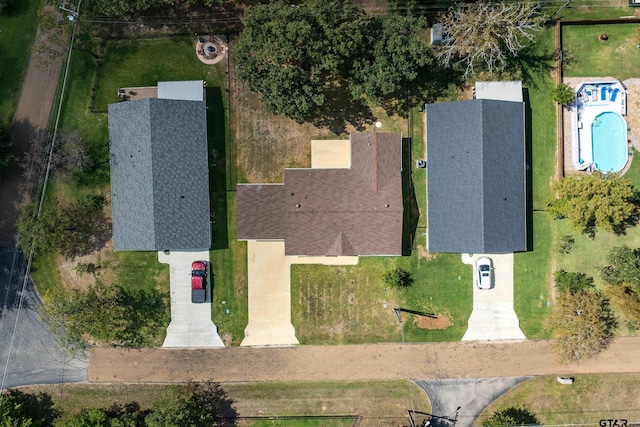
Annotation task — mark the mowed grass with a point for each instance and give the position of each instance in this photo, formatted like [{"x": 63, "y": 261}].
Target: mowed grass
[
  {"x": 377, "y": 402},
  {"x": 135, "y": 63},
  {"x": 532, "y": 269},
  {"x": 587, "y": 56},
  {"x": 18, "y": 31},
  {"x": 589, "y": 399},
  {"x": 229, "y": 307}
]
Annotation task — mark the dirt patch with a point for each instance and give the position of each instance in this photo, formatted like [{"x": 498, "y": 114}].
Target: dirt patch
[
  {"x": 227, "y": 339},
  {"x": 423, "y": 253},
  {"x": 427, "y": 322}
]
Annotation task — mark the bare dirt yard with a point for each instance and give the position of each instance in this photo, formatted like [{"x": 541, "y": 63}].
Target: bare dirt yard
[{"x": 354, "y": 362}]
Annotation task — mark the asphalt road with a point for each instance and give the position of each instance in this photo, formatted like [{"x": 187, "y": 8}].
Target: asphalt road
[{"x": 29, "y": 354}]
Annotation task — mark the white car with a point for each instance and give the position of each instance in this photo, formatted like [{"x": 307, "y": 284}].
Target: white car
[{"x": 484, "y": 265}]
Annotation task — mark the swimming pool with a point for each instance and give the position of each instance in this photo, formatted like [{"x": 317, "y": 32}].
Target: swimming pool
[{"x": 609, "y": 141}]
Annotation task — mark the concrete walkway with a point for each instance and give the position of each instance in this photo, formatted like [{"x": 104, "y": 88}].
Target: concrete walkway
[
  {"x": 269, "y": 283},
  {"x": 191, "y": 324},
  {"x": 493, "y": 316}
]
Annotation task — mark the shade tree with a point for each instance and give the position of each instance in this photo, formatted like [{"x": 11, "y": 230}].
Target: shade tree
[{"x": 487, "y": 35}]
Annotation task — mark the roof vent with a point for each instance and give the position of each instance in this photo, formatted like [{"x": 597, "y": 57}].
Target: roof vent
[
  {"x": 387, "y": 205},
  {"x": 291, "y": 194},
  {"x": 297, "y": 205}
]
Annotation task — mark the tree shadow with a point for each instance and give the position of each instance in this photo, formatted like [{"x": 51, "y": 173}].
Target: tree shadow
[
  {"x": 218, "y": 168},
  {"x": 411, "y": 209},
  {"x": 434, "y": 81},
  {"x": 529, "y": 65},
  {"x": 212, "y": 398},
  {"x": 528, "y": 155},
  {"x": 129, "y": 412},
  {"x": 339, "y": 109}
]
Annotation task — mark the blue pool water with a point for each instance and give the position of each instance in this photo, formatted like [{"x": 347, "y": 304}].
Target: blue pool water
[{"x": 609, "y": 142}]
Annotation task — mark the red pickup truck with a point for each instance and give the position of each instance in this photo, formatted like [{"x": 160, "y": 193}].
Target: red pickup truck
[{"x": 198, "y": 281}]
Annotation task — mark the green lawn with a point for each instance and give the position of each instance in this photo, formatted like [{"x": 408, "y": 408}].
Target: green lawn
[
  {"x": 229, "y": 266},
  {"x": 587, "y": 9},
  {"x": 589, "y": 399},
  {"x": 134, "y": 63},
  {"x": 587, "y": 56},
  {"x": 532, "y": 270},
  {"x": 18, "y": 29}
]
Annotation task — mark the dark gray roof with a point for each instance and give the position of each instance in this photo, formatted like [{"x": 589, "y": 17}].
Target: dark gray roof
[
  {"x": 476, "y": 193},
  {"x": 355, "y": 211},
  {"x": 159, "y": 175}
]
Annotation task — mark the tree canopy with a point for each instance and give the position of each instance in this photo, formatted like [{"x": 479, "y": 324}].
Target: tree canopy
[
  {"x": 487, "y": 34},
  {"x": 584, "y": 324},
  {"x": 74, "y": 229},
  {"x": 623, "y": 267},
  {"x": 288, "y": 53},
  {"x": 307, "y": 59},
  {"x": 393, "y": 57},
  {"x": 108, "y": 314},
  {"x": 19, "y": 409},
  {"x": 594, "y": 200}
]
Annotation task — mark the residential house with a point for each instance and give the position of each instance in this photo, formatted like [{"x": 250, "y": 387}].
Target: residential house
[
  {"x": 357, "y": 210},
  {"x": 159, "y": 170},
  {"x": 476, "y": 172}
]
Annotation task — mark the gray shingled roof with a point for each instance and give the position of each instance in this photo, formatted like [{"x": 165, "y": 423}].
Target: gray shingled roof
[
  {"x": 356, "y": 211},
  {"x": 159, "y": 175},
  {"x": 476, "y": 192}
]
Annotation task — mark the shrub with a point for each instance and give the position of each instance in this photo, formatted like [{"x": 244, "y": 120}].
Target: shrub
[
  {"x": 563, "y": 94},
  {"x": 565, "y": 244},
  {"x": 572, "y": 282},
  {"x": 397, "y": 278}
]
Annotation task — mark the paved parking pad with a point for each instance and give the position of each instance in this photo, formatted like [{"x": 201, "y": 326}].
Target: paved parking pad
[
  {"x": 191, "y": 324},
  {"x": 269, "y": 283},
  {"x": 493, "y": 316},
  {"x": 460, "y": 401}
]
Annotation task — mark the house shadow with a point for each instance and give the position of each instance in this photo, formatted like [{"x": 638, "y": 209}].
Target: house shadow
[
  {"x": 411, "y": 209},
  {"x": 528, "y": 168},
  {"x": 218, "y": 169}
]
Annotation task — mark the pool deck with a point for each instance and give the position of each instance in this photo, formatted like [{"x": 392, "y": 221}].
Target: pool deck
[{"x": 632, "y": 117}]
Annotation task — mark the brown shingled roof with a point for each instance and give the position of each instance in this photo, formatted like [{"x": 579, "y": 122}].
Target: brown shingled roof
[{"x": 356, "y": 211}]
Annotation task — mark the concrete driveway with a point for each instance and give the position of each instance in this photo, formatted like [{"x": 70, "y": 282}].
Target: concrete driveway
[
  {"x": 458, "y": 402},
  {"x": 493, "y": 316},
  {"x": 269, "y": 283},
  {"x": 191, "y": 324}
]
